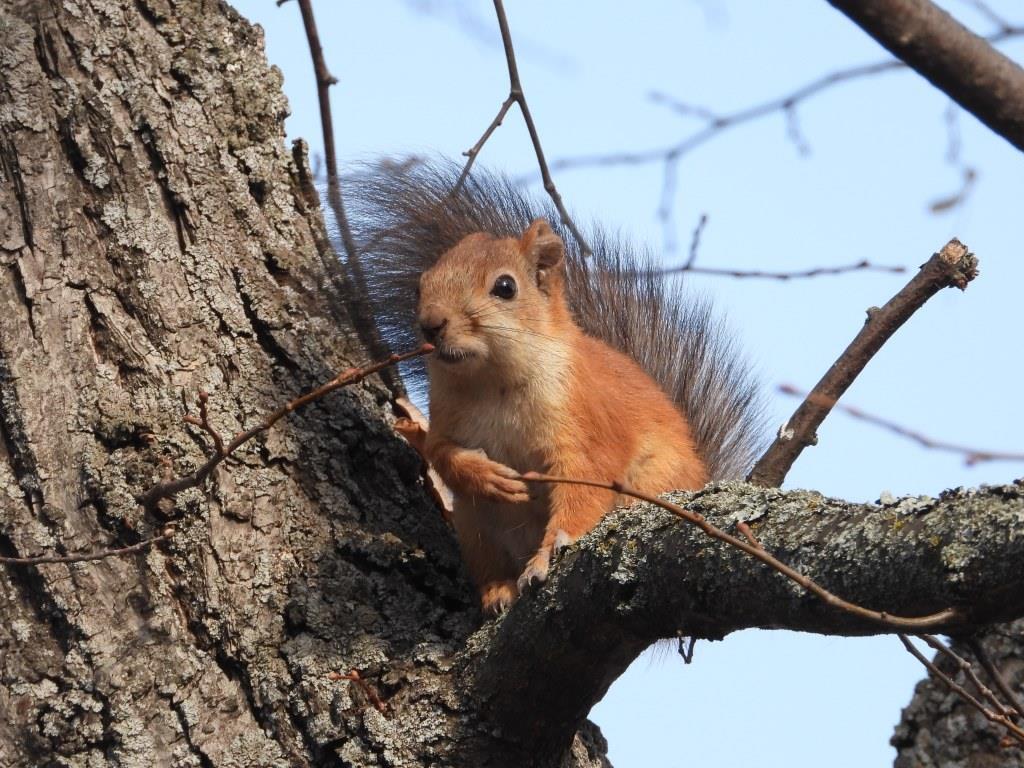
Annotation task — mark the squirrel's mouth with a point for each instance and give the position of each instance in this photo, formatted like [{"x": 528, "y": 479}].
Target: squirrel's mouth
[{"x": 452, "y": 354}]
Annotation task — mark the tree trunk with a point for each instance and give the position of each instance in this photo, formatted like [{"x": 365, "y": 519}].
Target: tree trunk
[
  {"x": 158, "y": 241},
  {"x": 938, "y": 728}
]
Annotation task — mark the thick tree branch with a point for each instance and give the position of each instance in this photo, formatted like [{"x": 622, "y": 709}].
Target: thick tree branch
[
  {"x": 958, "y": 62},
  {"x": 641, "y": 576}
]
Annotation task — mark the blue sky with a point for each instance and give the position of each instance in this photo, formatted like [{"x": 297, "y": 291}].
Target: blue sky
[{"x": 427, "y": 76}]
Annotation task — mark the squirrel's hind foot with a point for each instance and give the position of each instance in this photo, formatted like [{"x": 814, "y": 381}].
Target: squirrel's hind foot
[
  {"x": 497, "y": 597},
  {"x": 537, "y": 569}
]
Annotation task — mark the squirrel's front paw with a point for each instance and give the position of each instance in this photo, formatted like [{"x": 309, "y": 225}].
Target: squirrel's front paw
[{"x": 490, "y": 480}]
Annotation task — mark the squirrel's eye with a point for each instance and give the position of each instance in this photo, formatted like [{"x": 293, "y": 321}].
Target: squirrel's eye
[{"x": 504, "y": 287}]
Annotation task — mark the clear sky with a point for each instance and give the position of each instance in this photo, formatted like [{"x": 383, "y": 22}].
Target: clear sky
[{"x": 427, "y": 76}]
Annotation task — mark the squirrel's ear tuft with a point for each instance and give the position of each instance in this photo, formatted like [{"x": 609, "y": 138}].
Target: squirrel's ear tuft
[{"x": 541, "y": 246}]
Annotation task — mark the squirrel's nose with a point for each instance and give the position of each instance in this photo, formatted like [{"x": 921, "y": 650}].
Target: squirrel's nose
[{"x": 432, "y": 325}]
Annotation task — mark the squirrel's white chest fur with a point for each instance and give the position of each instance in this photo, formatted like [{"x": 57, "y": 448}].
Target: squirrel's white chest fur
[{"x": 514, "y": 424}]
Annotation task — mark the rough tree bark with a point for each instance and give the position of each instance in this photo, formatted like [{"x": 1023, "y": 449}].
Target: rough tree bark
[{"x": 157, "y": 239}]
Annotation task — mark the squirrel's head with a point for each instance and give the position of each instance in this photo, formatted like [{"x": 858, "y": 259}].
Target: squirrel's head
[{"x": 490, "y": 300}]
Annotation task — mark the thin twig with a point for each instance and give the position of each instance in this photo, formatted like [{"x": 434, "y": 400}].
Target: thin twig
[
  {"x": 355, "y": 295},
  {"x": 1014, "y": 730},
  {"x": 517, "y": 96},
  {"x": 354, "y": 677},
  {"x": 698, "y": 231},
  {"x": 86, "y": 556},
  {"x": 971, "y": 456},
  {"x": 954, "y": 265},
  {"x": 473, "y": 151},
  {"x": 954, "y": 157},
  {"x": 204, "y": 422},
  {"x": 669, "y": 182},
  {"x": 860, "y": 266},
  {"x": 968, "y": 669},
  {"x": 349, "y": 376},
  {"x": 1000, "y": 682},
  {"x": 748, "y": 533},
  {"x": 717, "y": 124},
  {"x": 934, "y": 620},
  {"x": 324, "y": 81}
]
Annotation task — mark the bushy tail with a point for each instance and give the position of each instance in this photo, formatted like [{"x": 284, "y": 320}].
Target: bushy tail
[{"x": 404, "y": 216}]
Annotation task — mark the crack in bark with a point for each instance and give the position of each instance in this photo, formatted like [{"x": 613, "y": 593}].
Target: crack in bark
[
  {"x": 262, "y": 330},
  {"x": 10, "y": 169}
]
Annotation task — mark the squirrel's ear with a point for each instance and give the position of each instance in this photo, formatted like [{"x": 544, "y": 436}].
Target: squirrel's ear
[{"x": 542, "y": 247}]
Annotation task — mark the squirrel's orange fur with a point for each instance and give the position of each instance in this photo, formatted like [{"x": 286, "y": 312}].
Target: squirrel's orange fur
[{"x": 516, "y": 385}]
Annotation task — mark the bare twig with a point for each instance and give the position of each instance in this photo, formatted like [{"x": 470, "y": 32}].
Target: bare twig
[
  {"x": 204, "y": 422},
  {"x": 702, "y": 222},
  {"x": 324, "y": 81},
  {"x": 1014, "y": 730},
  {"x": 355, "y": 295},
  {"x": 716, "y": 124},
  {"x": 975, "y": 646},
  {"x": 882, "y": 618},
  {"x": 349, "y": 376},
  {"x": 379, "y": 704},
  {"x": 86, "y": 556},
  {"x": 860, "y": 266},
  {"x": 748, "y": 533},
  {"x": 669, "y": 182},
  {"x": 954, "y": 265},
  {"x": 516, "y": 95},
  {"x": 968, "y": 669},
  {"x": 971, "y": 456},
  {"x": 473, "y": 151},
  {"x": 954, "y": 157}
]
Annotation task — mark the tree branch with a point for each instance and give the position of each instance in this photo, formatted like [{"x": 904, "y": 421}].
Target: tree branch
[
  {"x": 958, "y": 62},
  {"x": 357, "y": 293},
  {"x": 82, "y": 557},
  {"x": 954, "y": 265},
  {"x": 999, "y": 718},
  {"x": 517, "y": 96},
  {"x": 640, "y": 576},
  {"x": 717, "y": 124},
  {"x": 971, "y": 455},
  {"x": 171, "y": 488}
]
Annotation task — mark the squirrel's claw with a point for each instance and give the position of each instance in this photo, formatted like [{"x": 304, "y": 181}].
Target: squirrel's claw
[{"x": 536, "y": 569}]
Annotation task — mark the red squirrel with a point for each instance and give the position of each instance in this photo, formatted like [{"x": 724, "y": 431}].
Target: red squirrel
[{"x": 546, "y": 361}]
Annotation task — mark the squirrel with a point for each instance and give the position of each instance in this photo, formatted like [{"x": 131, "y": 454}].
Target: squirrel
[{"x": 545, "y": 360}]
